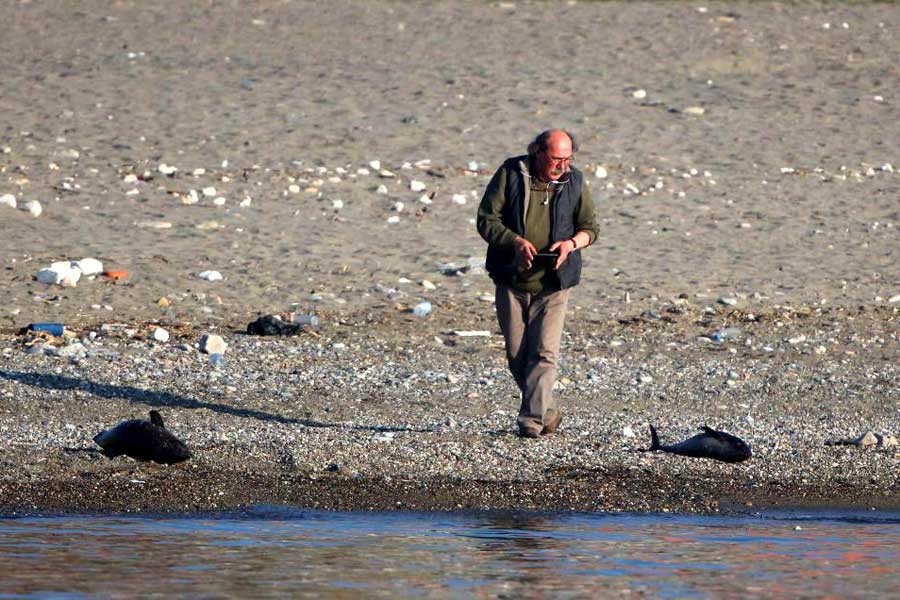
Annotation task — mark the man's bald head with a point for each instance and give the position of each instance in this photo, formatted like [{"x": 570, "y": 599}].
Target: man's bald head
[{"x": 551, "y": 152}]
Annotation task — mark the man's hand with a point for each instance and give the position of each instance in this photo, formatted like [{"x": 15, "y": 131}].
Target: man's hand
[
  {"x": 525, "y": 252},
  {"x": 563, "y": 247}
]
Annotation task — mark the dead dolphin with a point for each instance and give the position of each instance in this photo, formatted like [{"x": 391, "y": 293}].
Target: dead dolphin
[
  {"x": 713, "y": 444},
  {"x": 143, "y": 440}
]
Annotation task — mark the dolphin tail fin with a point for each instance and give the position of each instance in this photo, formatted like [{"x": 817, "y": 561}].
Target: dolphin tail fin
[
  {"x": 654, "y": 439},
  {"x": 156, "y": 419}
]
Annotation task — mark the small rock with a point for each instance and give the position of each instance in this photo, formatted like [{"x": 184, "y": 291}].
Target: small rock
[
  {"x": 695, "y": 110},
  {"x": 33, "y": 207},
  {"x": 639, "y": 94},
  {"x": 600, "y": 172},
  {"x": 728, "y": 301},
  {"x": 428, "y": 285},
  {"x": 210, "y": 275},
  {"x": 459, "y": 199},
  {"x": 416, "y": 186},
  {"x": 212, "y": 344},
  {"x": 160, "y": 335},
  {"x": 8, "y": 200},
  {"x": 867, "y": 440}
]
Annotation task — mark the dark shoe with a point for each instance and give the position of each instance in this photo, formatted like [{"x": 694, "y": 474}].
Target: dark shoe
[
  {"x": 529, "y": 430},
  {"x": 552, "y": 419}
]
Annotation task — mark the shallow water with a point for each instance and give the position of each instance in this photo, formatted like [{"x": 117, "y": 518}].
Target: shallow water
[{"x": 270, "y": 551}]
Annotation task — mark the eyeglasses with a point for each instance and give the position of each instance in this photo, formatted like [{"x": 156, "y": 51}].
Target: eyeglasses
[{"x": 561, "y": 161}]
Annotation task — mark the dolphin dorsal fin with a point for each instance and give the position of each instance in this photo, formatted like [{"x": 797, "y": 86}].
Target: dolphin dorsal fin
[
  {"x": 156, "y": 419},
  {"x": 711, "y": 431}
]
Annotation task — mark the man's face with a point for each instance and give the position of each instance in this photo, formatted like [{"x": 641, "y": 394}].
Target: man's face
[{"x": 553, "y": 162}]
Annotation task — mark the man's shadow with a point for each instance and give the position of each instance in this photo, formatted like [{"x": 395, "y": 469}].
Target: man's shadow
[{"x": 156, "y": 398}]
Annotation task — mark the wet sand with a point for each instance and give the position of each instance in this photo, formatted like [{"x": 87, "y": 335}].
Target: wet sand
[{"x": 779, "y": 199}]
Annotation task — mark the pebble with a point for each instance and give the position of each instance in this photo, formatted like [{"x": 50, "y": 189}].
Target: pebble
[
  {"x": 727, "y": 301},
  {"x": 393, "y": 219},
  {"x": 375, "y": 165},
  {"x": 695, "y": 110},
  {"x": 209, "y": 191},
  {"x": 210, "y": 275},
  {"x": 422, "y": 309},
  {"x": 894, "y": 299},
  {"x": 428, "y": 285},
  {"x": 33, "y": 207},
  {"x": 212, "y": 344},
  {"x": 381, "y": 189},
  {"x": 245, "y": 202},
  {"x": 8, "y": 200},
  {"x": 639, "y": 94},
  {"x": 425, "y": 199},
  {"x": 167, "y": 169},
  {"x": 459, "y": 199},
  {"x": 155, "y": 224},
  {"x": 160, "y": 335},
  {"x": 337, "y": 204},
  {"x": 600, "y": 172},
  {"x": 416, "y": 186},
  {"x": 397, "y": 206}
]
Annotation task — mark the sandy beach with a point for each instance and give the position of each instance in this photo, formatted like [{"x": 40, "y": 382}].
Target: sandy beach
[{"x": 328, "y": 158}]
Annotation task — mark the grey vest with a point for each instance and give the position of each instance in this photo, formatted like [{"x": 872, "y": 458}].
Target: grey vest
[{"x": 500, "y": 261}]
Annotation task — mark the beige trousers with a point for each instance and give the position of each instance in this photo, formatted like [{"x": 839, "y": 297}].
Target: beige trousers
[{"x": 532, "y": 326}]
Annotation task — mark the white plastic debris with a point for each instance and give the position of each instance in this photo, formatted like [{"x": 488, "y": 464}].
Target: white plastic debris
[
  {"x": 211, "y": 276},
  {"x": 89, "y": 266}
]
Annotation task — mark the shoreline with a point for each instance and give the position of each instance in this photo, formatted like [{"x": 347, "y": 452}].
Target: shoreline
[{"x": 147, "y": 490}]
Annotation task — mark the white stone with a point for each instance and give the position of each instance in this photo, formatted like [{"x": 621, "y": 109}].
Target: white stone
[
  {"x": 191, "y": 198},
  {"x": 695, "y": 110},
  {"x": 89, "y": 266},
  {"x": 70, "y": 277},
  {"x": 245, "y": 202},
  {"x": 33, "y": 207},
  {"x": 198, "y": 172},
  {"x": 394, "y": 219},
  {"x": 210, "y": 276},
  {"x": 337, "y": 204},
  {"x": 787, "y": 170},
  {"x": 728, "y": 301},
  {"x": 428, "y": 285},
  {"x": 362, "y": 171},
  {"x": 894, "y": 299},
  {"x": 600, "y": 172},
  {"x": 8, "y": 200},
  {"x": 160, "y": 335},
  {"x": 386, "y": 174},
  {"x": 294, "y": 188},
  {"x": 155, "y": 224},
  {"x": 459, "y": 199},
  {"x": 212, "y": 344},
  {"x": 219, "y": 201},
  {"x": 639, "y": 94},
  {"x": 166, "y": 169},
  {"x": 375, "y": 165},
  {"x": 627, "y": 431},
  {"x": 398, "y": 206},
  {"x": 473, "y": 166},
  {"x": 797, "y": 340},
  {"x": 416, "y": 186},
  {"x": 382, "y": 189},
  {"x": 425, "y": 199},
  {"x": 209, "y": 192}
]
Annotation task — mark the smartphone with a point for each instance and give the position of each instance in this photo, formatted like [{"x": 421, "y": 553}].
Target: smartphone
[{"x": 546, "y": 260}]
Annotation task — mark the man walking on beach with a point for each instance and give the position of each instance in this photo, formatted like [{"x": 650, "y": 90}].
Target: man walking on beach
[{"x": 536, "y": 216}]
